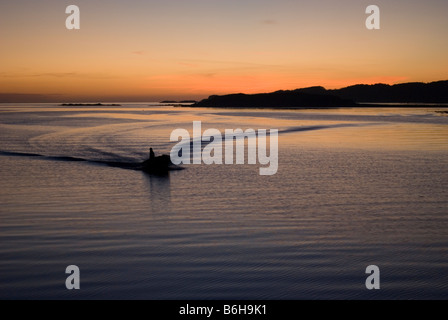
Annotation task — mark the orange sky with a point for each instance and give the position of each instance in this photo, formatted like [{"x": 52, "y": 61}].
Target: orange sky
[{"x": 143, "y": 50}]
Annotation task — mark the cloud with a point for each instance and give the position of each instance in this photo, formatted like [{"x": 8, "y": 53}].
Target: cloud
[
  {"x": 207, "y": 75},
  {"x": 34, "y": 75},
  {"x": 269, "y": 22},
  {"x": 28, "y": 97},
  {"x": 58, "y": 75},
  {"x": 55, "y": 74},
  {"x": 187, "y": 64}
]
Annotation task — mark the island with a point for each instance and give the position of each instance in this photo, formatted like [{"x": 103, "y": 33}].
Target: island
[
  {"x": 412, "y": 94},
  {"x": 279, "y": 99}
]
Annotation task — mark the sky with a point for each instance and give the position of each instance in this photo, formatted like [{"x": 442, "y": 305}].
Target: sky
[{"x": 152, "y": 50}]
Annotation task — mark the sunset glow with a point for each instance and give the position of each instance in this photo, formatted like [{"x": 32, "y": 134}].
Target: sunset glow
[{"x": 152, "y": 50}]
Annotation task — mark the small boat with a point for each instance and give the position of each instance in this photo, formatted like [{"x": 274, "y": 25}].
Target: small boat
[{"x": 158, "y": 165}]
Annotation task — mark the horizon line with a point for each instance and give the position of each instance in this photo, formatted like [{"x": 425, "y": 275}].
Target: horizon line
[{"x": 51, "y": 97}]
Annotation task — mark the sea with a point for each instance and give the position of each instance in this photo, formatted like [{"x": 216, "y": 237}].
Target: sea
[{"x": 355, "y": 187}]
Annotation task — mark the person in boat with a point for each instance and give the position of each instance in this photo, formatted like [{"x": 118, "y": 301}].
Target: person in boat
[{"x": 154, "y": 164}]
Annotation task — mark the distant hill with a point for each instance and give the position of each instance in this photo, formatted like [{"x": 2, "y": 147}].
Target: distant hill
[
  {"x": 434, "y": 92},
  {"x": 278, "y": 99},
  {"x": 319, "y": 97}
]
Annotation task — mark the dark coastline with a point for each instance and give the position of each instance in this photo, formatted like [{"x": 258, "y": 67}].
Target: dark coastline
[
  {"x": 360, "y": 105},
  {"x": 406, "y": 95}
]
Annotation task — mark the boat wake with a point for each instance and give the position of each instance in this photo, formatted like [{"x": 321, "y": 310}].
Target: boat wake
[
  {"x": 118, "y": 164},
  {"x": 127, "y": 163}
]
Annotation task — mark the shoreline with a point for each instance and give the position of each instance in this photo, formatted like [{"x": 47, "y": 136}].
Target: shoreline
[{"x": 360, "y": 105}]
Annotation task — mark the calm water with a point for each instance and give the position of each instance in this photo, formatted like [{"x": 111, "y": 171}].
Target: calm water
[{"x": 354, "y": 187}]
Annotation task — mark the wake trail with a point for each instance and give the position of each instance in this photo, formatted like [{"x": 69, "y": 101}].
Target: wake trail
[
  {"x": 137, "y": 165},
  {"x": 322, "y": 127},
  {"x": 118, "y": 164},
  {"x": 281, "y": 131}
]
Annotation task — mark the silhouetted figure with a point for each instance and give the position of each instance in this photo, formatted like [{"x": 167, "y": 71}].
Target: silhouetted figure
[{"x": 158, "y": 165}]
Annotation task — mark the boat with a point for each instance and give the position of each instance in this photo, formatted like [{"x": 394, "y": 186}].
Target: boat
[{"x": 158, "y": 165}]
